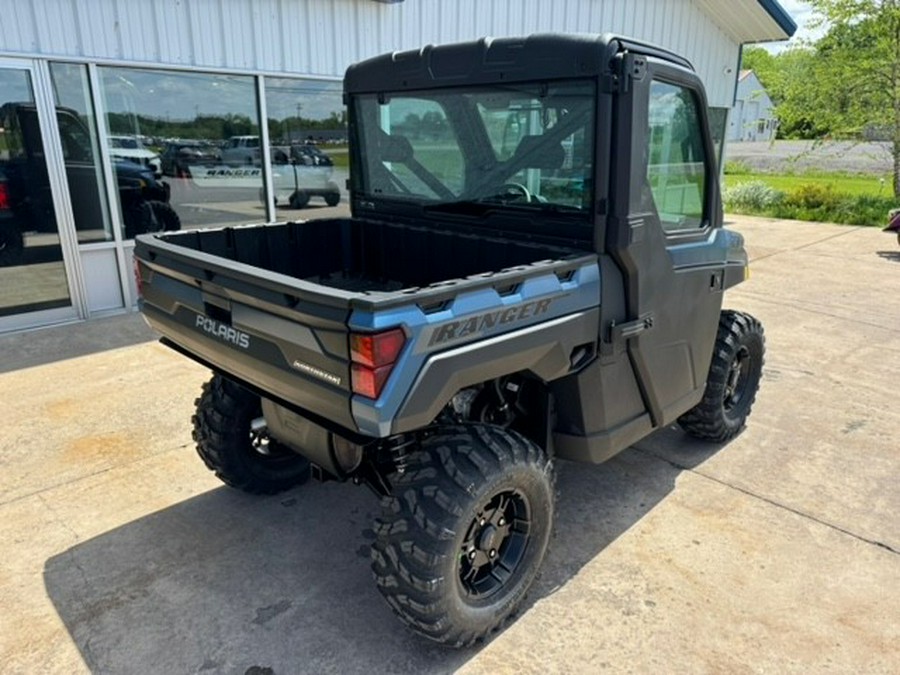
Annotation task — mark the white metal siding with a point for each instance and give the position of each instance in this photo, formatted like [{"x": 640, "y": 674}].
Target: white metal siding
[
  {"x": 322, "y": 37},
  {"x": 752, "y": 106}
]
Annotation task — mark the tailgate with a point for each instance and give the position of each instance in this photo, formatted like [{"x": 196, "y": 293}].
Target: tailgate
[{"x": 285, "y": 336}]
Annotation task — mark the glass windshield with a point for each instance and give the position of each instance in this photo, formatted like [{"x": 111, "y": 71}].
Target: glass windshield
[{"x": 525, "y": 145}]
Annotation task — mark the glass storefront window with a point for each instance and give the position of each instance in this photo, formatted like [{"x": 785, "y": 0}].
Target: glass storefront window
[
  {"x": 32, "y": 273},
  {"x": 192, "y": 143},
  {"x": 80, "y": 145},
  {"x": 308, "y": 133}
]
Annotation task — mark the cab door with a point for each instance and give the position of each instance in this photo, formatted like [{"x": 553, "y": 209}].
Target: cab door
[{"x": 665, "y": 232}]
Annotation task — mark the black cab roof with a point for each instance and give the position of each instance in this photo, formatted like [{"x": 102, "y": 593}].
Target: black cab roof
[{"x": 491, "y": 60}]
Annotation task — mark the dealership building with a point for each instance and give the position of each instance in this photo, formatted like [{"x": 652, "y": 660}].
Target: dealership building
[{"x": 123, "y": 116}]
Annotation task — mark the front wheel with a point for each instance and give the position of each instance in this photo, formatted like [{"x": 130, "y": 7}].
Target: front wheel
[
  {"x": 12, "y": 244},
  {"x": 165, "y": 218},
  {"x": 299, "y": 199},
  {"x": 733, "y": 380},
  {"x": 232, "y": 441},
  {"x": 462, "y": 537}
]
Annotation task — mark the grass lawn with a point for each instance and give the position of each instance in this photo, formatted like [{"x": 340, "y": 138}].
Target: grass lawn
[
  {"x": 339, "y": 154},
  {"x": 850, "y": 184},
  {"x": 853, "y": 199}
]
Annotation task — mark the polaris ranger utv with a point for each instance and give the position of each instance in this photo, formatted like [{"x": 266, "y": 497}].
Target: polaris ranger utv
[{"x": 533, "y": 271}]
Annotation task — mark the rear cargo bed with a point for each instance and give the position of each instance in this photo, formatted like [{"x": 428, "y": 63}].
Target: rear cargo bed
[
  {"x": 360, "y": 255},
  {"x": 270, "y": 305}
]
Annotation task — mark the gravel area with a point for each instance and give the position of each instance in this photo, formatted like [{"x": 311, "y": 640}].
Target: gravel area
[{"x": 786, "y": 156}]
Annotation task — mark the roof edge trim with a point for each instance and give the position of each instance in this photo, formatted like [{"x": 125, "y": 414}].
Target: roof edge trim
[{"x": 780, "y": 16}]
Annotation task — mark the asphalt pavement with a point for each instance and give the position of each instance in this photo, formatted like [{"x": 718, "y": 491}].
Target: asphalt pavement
[{"x": 777, "y": 552}]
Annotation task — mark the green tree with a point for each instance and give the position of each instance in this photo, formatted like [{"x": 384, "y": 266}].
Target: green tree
[
  {"x": 798, "y": 92},
  {"x": 789, "y": 81},
  {"x": 764, "y": 64},
  {"x": 855, "y": 83}
]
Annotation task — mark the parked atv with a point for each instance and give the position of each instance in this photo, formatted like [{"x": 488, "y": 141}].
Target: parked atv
[{"x": 533, "y": 271}]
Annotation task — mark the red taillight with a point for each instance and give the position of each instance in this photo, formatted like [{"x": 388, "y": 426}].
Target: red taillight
[
  {"x": 369, "y": 381},
  {"x": 376, "y": 349},
  {"x": 373, "y": 356},
  {"x": 4, "y": 197}
]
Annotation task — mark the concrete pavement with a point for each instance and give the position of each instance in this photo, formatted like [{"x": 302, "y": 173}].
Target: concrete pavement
[{"x": 779, "y": 552}]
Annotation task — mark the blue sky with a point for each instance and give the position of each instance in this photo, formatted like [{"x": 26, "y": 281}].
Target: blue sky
[{"x": 802, "y": 13}]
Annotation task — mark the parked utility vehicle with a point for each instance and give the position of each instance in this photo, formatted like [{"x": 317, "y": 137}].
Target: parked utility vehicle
[
  {"x": 533, "y": 271},
  {"x": 241, "y": 150}
]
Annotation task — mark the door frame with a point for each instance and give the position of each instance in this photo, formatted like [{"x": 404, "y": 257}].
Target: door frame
[
  {"x": 672, "y": 279},
  {"x": 42, "y": 91}
]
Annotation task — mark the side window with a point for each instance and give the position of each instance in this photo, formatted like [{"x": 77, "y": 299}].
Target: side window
[{"x": 676, "y": 167}]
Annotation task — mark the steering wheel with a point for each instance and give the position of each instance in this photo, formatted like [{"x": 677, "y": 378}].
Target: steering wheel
[{"x": 516, "y": 190}]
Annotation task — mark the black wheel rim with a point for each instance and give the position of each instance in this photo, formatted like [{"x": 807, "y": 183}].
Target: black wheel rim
[
  {"x": 494, "y": 544},
  {"x": 262, "y": 448},
  {"x": 738, "y": 379}
]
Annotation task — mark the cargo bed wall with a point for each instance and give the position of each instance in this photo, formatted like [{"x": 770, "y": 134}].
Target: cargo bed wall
[{"x": 360, "y": 255}]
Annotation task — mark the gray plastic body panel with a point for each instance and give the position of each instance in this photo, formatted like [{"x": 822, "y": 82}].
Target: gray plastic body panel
[
  {"x": 302, "y": 359},
  {"x": 484, "y": 334},
  {"x": 544, "y": 350}
]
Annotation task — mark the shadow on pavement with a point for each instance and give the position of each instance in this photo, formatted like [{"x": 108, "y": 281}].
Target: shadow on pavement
[
  {"x": 226, "y": 582},
  {"x": 893, "y": 256},
  {"x": 58, "y": 343}
]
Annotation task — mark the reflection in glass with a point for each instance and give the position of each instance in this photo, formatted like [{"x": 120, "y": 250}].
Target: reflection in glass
[
  {"x": 718, "y": 122},
  {"x": 676, "y": 169},
  {"x": 32, "y": 275},
  {"x": 80, "y": 145},
  {"x": 308, "y": 132},
  {"x": 528, "y": 147},
  {"x": 193, "y": 139}
]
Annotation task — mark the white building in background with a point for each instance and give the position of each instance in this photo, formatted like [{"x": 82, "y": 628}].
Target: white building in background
[
  {"x": 182, "y": 77},
  {"x": 753, "y": 115}
]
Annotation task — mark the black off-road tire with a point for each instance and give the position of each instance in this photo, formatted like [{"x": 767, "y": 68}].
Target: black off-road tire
[
  {"x": 299, "y": 199},
  {"x": 148, "y": 217},
  {"x": 167, "y": 219},
  {"x": 240, "y": 457},
  {"x": 468, "y": 490},
  {"x": 333, "y": 198},
  {"x": 12, "y": 244},
  {"x": 733, "y": 380}
]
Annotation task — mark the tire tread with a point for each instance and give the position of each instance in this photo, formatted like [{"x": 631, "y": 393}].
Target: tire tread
[
  {"x": 221, "y": 433},
  {"x": 413, "y": 535},
  {"x": 707, "y": 420}
]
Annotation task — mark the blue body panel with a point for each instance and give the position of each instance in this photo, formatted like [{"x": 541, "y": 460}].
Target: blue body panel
[{"x": 470, "y": 317}]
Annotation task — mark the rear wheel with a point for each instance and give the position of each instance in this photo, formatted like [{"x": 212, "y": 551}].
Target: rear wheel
[
  {"x": 463, "y": 536},
  {"x": 232, "y": 441},
  {"x": 333, "y": 198},
  {"x": 733, "y": 380}
]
